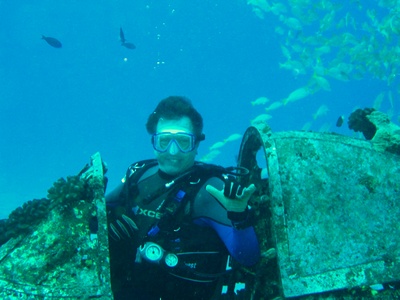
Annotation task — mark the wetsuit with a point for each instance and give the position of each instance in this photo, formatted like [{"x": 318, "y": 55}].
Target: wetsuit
[{"x": 200, "y": 231}]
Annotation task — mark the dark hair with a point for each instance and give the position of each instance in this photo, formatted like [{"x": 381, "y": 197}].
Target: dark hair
[{"x": 174, "y": 108}]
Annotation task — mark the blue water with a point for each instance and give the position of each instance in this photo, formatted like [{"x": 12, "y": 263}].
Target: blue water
[{"x": 59, "y": 106}]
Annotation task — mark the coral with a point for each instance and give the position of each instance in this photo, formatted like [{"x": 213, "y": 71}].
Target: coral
[
  {"x": 65, "y": 193},
  {"x": 21, "y": 220},
  {"x": 387, "y": 137},
  {"x": 63, "y": 196},
  {"x": 359, "y": 122},
  {"x": 376, "y": 126}
]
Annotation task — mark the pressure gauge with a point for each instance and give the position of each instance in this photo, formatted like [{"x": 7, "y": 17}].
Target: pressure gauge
[
  {"x": 153, "y": 252},
  {"x": 171, "y": 260}
]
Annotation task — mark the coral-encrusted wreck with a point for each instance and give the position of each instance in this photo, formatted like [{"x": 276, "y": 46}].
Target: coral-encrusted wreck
[
  {"x": 64, "y": 252},
  {"x": 326, "y": 213}
]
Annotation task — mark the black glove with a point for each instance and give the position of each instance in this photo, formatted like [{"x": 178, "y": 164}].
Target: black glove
[
  {"x": 122, "y": 227},
  {"x": 233, "y": 197},
  {"x": 232, "y": 188}
]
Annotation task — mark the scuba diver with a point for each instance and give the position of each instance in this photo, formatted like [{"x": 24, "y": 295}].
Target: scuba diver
[{"x": 178, "y": 228}]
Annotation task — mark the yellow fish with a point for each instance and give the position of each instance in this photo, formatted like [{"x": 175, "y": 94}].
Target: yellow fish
[
  {"x": 260, "y": 101},
  {"x": 210, "y": 156},
  {"x": 261, "y": 119},
  {"x": 322, "y": 82},
  {"x": 297, "y": 95},
  {"x": 274, "y": 105},
  {"x": 322, "y": 110},
  {"x": 233, "y": 137},
  {"x": 217, "y": 145}
]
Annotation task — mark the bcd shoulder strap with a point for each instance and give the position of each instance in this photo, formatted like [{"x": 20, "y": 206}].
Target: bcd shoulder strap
[
  {"x": 190, "y": 181},
  {"x": 133, "y": 174},
  {"x": 199, "y": 172}
]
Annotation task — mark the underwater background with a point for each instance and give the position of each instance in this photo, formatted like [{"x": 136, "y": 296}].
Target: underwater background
[{"x": 297, "y": 65}]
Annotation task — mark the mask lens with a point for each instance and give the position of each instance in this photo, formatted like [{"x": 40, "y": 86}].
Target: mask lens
[
  {"x": 164, "y": 141},
  {"x": 184, "y": 141}
]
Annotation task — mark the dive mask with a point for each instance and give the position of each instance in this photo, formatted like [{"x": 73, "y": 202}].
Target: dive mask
[{"x": 186, "y": 142}]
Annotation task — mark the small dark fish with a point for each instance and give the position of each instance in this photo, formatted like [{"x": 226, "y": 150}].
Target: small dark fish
[
  {"x": 340, "y": 121},
  {"x": 128, "y": 45},
  {"x": 52, "y": 41},
  {"x": 124, "y": 43},
  {"x": 121, "y": 35}
]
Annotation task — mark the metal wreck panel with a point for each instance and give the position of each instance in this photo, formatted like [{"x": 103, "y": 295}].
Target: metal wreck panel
[{"x": 335, "y": 203}]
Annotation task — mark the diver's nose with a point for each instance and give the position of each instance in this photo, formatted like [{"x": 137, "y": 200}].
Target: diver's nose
[{"x": 173, "y": 148}]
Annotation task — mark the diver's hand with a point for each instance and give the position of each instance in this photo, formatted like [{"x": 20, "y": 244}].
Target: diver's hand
[
  {"x": 233, "y": 196},
  {"x": 122, "y": 227}
]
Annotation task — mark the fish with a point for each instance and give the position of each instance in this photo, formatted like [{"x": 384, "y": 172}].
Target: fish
[
  {"x": 217, "y": 145},
  {"x": 122, "y": 35},
  {"x": 322, "y": 110},
  {"x": 325, "y": 127},
  {"x": 298, "y": 94},
  {"x": 274, "y": 105},
  {"x": 128, "y": 45},
  {"x": 378, "y": 101},
  {"x": 307, "y": 126},
  {"x": 322, "y": 82},
  {"x": 233, "y": 137},
  {"x": 340, "y": 121},
  {"x": 354, "y": 56},
  {"x": 210, "y": 156},
  {"x": 390, "y": 96},
  {"x": 260, "y": 101},
  {"x": 52, "y": 41},
  {"x": 261, "y": 119},
  {"x": 124, "y": 42}
]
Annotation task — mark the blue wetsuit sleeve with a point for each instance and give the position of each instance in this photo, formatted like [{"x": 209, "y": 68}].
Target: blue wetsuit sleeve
[{"x": 241, "y": 244}]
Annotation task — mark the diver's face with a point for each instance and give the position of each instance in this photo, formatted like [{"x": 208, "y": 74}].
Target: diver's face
[{"x": 173, "y": 161}]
